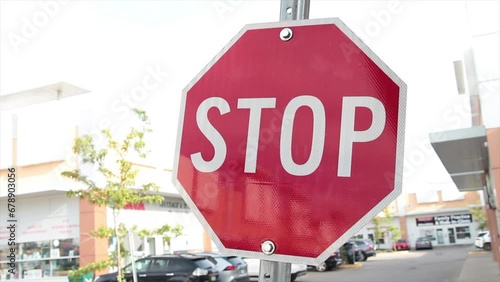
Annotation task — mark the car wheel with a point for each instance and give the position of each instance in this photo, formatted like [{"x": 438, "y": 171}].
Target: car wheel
[
  {"x": 487, "y": 246},
  {"x": 293, "y": 277},
  {"x": 362, "y": 256},
  {"x": 321, "y": 267}
]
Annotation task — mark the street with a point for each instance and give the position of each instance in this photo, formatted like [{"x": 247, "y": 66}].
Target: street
[{"x": 441, "y": 264}]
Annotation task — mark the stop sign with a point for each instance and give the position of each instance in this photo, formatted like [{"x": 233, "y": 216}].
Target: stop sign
[{"x": 291, "y": 137}]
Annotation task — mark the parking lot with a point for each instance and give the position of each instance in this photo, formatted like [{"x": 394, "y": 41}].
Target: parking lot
[{"x": 441, "y": 264}]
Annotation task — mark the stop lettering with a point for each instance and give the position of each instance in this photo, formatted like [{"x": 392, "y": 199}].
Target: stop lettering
[{"x": 256, "y": 105}]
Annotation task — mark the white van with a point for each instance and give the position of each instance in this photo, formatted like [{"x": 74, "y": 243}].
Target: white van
[{"x": 483, "y": 240}]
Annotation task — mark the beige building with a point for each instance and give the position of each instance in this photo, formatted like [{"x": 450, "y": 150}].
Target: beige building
[
  {"x": 443, "y": 215},
  {"x": 51, "y": 233}
]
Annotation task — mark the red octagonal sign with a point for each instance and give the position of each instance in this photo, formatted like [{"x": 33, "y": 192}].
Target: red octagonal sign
[{"x": 293, "y": 134}]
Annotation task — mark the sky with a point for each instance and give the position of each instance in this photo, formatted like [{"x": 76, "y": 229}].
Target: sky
[{"x": 116, "y": 48}]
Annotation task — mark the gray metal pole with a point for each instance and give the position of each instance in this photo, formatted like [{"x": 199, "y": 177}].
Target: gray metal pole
[
  {"x": 132, "y": 248},
  {"x": 294, "y": 10},
  {"x": 273, "y": 271}
]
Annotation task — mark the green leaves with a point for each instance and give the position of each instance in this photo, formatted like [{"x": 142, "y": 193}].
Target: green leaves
[
  {"x": 383, "y": 223},
  {"x": 479, "y": 216},
  {"x": 168, "y": 232},
  {"x": 111, "y": 162},
  {"x": 91, "y": 267}
]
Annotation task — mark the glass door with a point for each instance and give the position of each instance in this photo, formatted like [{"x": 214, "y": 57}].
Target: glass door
[
  {"x": 451, "y": 235},
  {"x": 440, "y": 236}
]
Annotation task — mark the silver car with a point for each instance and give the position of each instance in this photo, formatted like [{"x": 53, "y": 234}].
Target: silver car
[
  {"x": 423, "y": 243},
  {"x": 231, "y": 268}
]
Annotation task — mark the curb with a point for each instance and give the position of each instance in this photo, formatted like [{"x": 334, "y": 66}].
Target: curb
[
  {"x": 478, "y": 252},
  {"x": 355, "y": 265}
]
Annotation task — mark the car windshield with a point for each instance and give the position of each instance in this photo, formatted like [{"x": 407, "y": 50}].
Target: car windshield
[
  {"x": 401, "y": 241},
  {"x": 422, "y": 239}
]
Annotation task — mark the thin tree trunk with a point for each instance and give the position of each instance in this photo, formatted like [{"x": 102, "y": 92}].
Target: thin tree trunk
[{"x": 118, "y": 245}]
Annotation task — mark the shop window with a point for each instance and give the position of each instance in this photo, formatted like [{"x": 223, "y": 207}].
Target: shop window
[
  {"x": 41, "y": 259},
  {"x": 357, "y": 236},
  {"x": 429, "y": 233},
  {"x": 463, "y": 232}
]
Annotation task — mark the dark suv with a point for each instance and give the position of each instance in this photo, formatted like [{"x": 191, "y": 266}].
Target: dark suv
[
  {"x": 367, "y": 248},
  {"x": 330, "y": 263},
  {"x": 168, "y": 268}
]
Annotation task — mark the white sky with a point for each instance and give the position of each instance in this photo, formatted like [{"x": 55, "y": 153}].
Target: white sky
[{"x": 108, "y": 46}]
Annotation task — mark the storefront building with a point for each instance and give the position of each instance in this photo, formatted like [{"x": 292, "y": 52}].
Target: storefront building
[
  {"x": 47, "y": 237},
  {"x": 52, "y": 231},
  {"x": 444, "y": 229},
  {"x": 444, "y": 216}
]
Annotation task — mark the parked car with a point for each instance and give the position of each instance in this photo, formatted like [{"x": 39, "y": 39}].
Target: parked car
[
  {"x": 483, "y": 240},
  {"x": 254, "y": 267},
  {"x": 330, "y": 263},
  {"x": 423, "y": 243},
  {"x": 351, "y": 252},
  {"x": 168, "y": 268},
  {"x": 368, "y": 249},
  {"x": 401, "y": 244},
  {"x": 231, "y": 268}
]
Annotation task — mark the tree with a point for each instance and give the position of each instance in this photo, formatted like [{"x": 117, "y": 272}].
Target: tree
[
  {"x": 382, "y": 223},
  {"x": 119, "y": 188},
  {"x": 395, "y": 235},
  {"x": 377, "y": 229},
  {"x": 479, "y": 216}
]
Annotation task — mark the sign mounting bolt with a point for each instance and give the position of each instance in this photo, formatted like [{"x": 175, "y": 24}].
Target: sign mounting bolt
[
  {"x": 268, "y": 247},
  {"x": 286, "y": 34}
]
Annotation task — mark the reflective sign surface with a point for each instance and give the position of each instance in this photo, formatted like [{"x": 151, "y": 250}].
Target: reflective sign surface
[{"x": 298, "y": 142}]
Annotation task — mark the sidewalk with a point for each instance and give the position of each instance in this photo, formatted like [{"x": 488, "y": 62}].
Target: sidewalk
[{"x": 479, "y": 266}]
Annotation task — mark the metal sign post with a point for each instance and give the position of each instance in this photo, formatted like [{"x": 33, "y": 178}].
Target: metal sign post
[{"x": 273, "y": 271}]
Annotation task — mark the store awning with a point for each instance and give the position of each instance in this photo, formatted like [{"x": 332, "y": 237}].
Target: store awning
[
  {"x": 38, "y": 95},
  {"x": 464, "y": 154}
]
